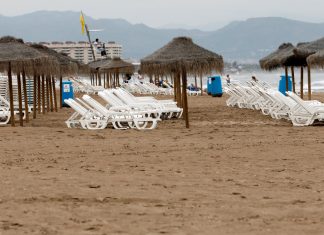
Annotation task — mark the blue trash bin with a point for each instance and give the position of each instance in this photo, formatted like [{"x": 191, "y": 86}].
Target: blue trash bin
[
  {"x": 67, "y": 92},
  {"x": 215, "y": 86},
  {"x": 282, "y": 84}
]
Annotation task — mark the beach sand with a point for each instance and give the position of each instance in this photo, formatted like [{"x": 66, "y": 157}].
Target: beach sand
[{"x": 234, "y": 172}]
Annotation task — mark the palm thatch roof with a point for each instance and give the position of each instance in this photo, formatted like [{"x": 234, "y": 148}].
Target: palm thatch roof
[
  {"x": 66, "y": 65},
  {"x": 182, "y": 52},
  {"x": 23, "y": 57},
  {"x": 307, "y": 49},
  {"x": 119, "y": 65},
  {"x": 95, "y": 65},
  {"x": 317, "y": 59},
  {"x": 283, "y": 56}
]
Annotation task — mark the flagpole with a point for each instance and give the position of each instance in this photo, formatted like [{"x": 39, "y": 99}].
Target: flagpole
[{"x": 88, "y": 34}]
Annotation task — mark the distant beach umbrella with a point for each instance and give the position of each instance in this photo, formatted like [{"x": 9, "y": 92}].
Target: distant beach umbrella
[
  {"x": 181, "y": 57},
  {"x": 113, "y": 69},
  {"x": 117, "y": 64}
]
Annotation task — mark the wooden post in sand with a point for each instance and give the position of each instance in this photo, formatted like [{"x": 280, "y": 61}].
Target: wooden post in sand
[
  {"x": 201, "y": 85},
  {"x": 184, "y": 93},
  {"x": 12, "y": 113},
  {"x": 99, "y": 77},
  {"x": 104, "y": 78},
  {"x": 47, "y": 94},
  {"x": 25, "y": 96},
  {"x": 196, "y": 85},
  {"x": 21, "y": 120},
  {"x": 309, "y": 82},
  {"x": 39, "y": 98},
  {"x": 293, "y": 79},
  {"x": 35, "y": 96},
  {"x": 107, "y": 78},
  {"x": 54, "y": 92},
  {"x": 287, "y": 81},
  {"x": 61, "y": 91},
  {"x": 178, "y": 84},
  {"x": 302, "y": 82},
  {"x": 174, "y": 88},
  {"x": 43, "y": 94},
  {"x": 50, "y": 87}
]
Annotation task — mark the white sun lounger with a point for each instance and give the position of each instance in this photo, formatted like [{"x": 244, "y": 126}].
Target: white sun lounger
[
  {"x": 140, "y": 120},
  {"x": 84, "y": 118}
]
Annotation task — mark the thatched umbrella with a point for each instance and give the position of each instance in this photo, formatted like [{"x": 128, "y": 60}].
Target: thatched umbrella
[
  {"x": 285, "y": 56},
  {"x": 66, "y": 67},
  {"x": 94, "y": 70},
  {"x": 116, "y": 66},
  {"x": 16, "y": 57},
  {"x": 306, "y": 50},
  {"x": 182, "y": 56}
]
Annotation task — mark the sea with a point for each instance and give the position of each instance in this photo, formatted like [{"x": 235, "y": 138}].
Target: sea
[{"x": 273, "y": 78}]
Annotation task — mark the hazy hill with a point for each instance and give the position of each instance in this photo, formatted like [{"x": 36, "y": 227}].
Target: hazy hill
[{"x": 242, "y": 40}]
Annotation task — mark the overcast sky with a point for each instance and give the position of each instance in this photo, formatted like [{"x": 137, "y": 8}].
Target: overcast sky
[{"x": 206, "y": 14}]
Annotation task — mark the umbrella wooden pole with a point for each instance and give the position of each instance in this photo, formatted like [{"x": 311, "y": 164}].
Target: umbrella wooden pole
[
  {"x": 99, "y": 77},
  {"x": 178, "y": 81},
  {"x": 61, "y": 91},
  {"x": 54, "y": 93},
  {"x": 21, "y": 120},
  {"x": 293, "y": 78},
  {"x": 201, "y": 86},
  {"x": 43, "y": 94},
  {"x": 39, "y": 98},
  {"x": 104, "y": 79},
  {"x": 184, "y": 93},
  {"x": 302, "y": 82},
  {"x": 35, "y": 97},
  {"x": 174, "y": 88},
  {"x": 12, "y": 113},
  {"x": 47, "y": 95},
  {"x": 287, "y": 81},
  {"x": 196, "y": 85},
  {"x": 51, "y": 92},
  {"x": 107, "y": 77},
  {"x": 309, "y": 82},
  {"x": 118, "y": 78},
  {"x": 25, "y": 96}
]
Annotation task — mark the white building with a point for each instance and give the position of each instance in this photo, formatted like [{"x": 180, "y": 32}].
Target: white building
[{"x": 81, "y": 51}]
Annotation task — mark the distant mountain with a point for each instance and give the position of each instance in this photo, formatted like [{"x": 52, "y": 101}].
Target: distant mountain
[{"x": 241, "y": 40}]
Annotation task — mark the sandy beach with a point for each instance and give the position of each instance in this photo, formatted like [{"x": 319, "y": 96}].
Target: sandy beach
[{"x": 233, "y": 172}]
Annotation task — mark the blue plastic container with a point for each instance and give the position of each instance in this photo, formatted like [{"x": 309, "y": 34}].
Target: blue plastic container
[
  {"x": 282, "y": 84},
  {"x": 215, "y": 88},
  {"x": 67, "y": 92}
]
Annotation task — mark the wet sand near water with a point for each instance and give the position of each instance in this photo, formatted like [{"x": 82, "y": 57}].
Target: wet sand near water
[{"x": 233, "y": 172}]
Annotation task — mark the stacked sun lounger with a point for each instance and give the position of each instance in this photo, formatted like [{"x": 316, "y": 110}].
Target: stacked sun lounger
[
  {"x": 83, "y": 87},
  {"x": 4, "y": 95},
  {"x": 147, "y": 88},
  {"x": 261, "y": 96},
  {"x": 121, "y": 111}
]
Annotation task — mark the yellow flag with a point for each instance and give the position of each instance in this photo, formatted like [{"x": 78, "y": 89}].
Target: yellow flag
[{"x": 82, "y": 23}]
